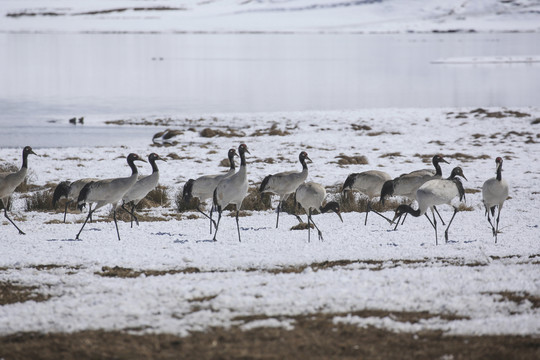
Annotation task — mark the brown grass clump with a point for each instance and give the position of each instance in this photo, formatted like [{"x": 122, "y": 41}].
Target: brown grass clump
[
  {"x": 208, "y": 133},
  {"x": 358, "y": 127},
  {"x": 157, "y": 197},
  {"x": 302, "y": 226},
  {"x": 40, "y": 201},
  {"x": 535, "y": 121},
  {"x": 352, "y": 201},
  {"x": 272, "y": 131},
  {"x": 255, "y": 201},
  {"x": 351, "y": 160},
  {"x": 391, "y": 155},
  {"x": 183, "y": 206}
]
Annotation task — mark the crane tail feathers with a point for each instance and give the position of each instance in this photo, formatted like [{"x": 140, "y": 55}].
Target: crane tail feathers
[
  {"x": 83, "y": 195},
  {"x": 60, "y": 191},
  {"x": 349, "y": 182},
  {"x": 187, "y": 193},
  {"x": 264, "y": 183},
  {"x": 387, "y": 190}
]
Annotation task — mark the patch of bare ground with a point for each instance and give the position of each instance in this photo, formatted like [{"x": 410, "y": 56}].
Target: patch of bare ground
[
  {"x": 472, "y": 191},
  {"x": 517, "y": 297},
  {"x": 360, "y": 127},
  {"x": 315, "y": 336},
  {"x": 122, "y": 272},
  {"x": 11, "y": 293},
  {"x": 391, "y": 155},
  {"x": 427, "y": 158},
  {"x": 379, "y": 133}
]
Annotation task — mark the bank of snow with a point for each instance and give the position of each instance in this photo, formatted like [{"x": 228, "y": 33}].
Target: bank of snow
[{"x": 276, "y": 274}]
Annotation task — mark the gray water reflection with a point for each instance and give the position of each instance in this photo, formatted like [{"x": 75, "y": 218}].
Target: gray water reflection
[{"x": 58, "y": 76}]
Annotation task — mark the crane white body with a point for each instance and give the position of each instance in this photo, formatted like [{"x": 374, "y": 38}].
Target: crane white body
[
  {"x": 232, "y": 190},
  {"x": 369, "y": 183},
  {"x": 311, "y": 196},
  {"x": 108, "y": 191},
  {"x": 10, "y": 180},
  {"x": 494, "y": 193},
  {"x": 142, "y": 187},
  {"x": 285, "y": 183},
  {"x": 436, "y": 192}
]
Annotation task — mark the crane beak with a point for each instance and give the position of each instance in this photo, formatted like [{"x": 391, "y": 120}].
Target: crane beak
[
  {"x": 162, "y": 159},
  {"x": 339, "y": 214},
  {"x": 444, "y": 161},
  {"x": 307, "y": 158}
]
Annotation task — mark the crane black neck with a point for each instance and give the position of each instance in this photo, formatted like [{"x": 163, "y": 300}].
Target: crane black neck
[
  {"x": 303, "y": 162},
  {"x": 408, "y": 209},
  {"x": 154, "y": 165},
  {"x": 242, "y": 158},
  {"x": 24, "y": 160},
  {"x": 499, "y": 172},
  {"x": 231, "y": 162},
  {"x": 438, "y": 170},
  {"x": 133, "y": 166}
]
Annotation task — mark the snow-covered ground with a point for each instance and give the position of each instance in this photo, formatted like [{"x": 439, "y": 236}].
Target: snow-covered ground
[
  {"x": 219, "y": 16},
  {"x": 462, "y": 283}
]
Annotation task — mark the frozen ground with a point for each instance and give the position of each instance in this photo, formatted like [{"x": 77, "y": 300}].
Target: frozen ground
[
  {"x": 468, "y": 286},
  {"x": 223, "y": 16}
]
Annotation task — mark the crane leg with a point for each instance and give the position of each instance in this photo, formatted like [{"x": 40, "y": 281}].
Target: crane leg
[
  {"x": 237, "y": 224},
  {"x": 209, "y": 217},
  {"x": 376, "y": 212},
  {"x": 11, "y": 221},
  {"x": 309, "y": 226},
  {"x": 116, "y": 224},
  {"x": 87, "y": 217},
  {"x": 440, "y": 217},
  {"x": 218, "y": 220},
  {"x": 450, "y": 223},
  {"x": 278, "y": 209},
  {"x": 65, "y": 210},
  {"x": 134, "y": 216},
  {"x": 316, "y": 227},
  {"x": 497, "y": 228},
  {"x": 434, "y": 225}
]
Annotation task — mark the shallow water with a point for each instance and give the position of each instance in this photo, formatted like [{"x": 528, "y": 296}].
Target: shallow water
[{"x": 58, "y": 76}]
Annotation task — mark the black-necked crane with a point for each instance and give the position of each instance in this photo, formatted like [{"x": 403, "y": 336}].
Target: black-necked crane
[
  {"x": 406, "y": 185},
  {"x": 10, "y": 180},
  {"x": 203, "y": 187},
  {"x": 142, "y": 187},
  {"x": 285, "y": 183},
  {"x": 310, "y": 196},
  {"x": 108, "y": 191},
  {"x": 436, "y": 192},
  {"x": 69, "y": 190},
  {"x": 494, "y": 193},
  {"x": 369, "y": 183},
  {"x": 232, "y": 190}
]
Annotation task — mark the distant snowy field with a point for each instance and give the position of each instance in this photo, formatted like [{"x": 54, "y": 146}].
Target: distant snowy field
[
  {"x": 462, "y": 283},
  {"x": 222, "y": 16}
]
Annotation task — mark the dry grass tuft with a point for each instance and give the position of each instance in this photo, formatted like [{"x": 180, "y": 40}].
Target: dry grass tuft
[
  {"x": 272, "y": 131},
  {"x": 302, "y": 226},
  {"x": 255, "y": 201},
  {"x": 391, "y": 155},
  {"x": 40, "y": 201},
  {"x": 183, "y": 206},
  {"x": 535, "y": 121},
  {"x": 208, "y": 133},
  {"x": 156, "y": 197},
  {"x": 351, "y": 160},
  {"x": 355, "y": 202},
  {"x": 11, "y": 293},
  {"x": 358, "y": 127}
]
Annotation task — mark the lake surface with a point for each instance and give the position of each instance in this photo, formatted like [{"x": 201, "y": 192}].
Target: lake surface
[{"x": 112, "y": 76}]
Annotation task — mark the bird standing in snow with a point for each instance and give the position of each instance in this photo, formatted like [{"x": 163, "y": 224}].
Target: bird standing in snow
[
  {"x": 232, "y": 190},
  {"x": 142, "y": 187},
  {"x": 436, "y": 192},
  {"x": 369, "y": 183},
  {"x": 285, "y": 183},
  {"x": 203, "y": 187},
  {"x": 10, "y": 180},
  {"x": 108, "y": 191},
  {"x": 311, "y": 196},
  {"x": 494, "y": 193},
  {"x": 69, "y": 190}
]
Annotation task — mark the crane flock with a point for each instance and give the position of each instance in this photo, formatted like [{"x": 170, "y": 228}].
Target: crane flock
[{"x": 426, "y": 187}]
